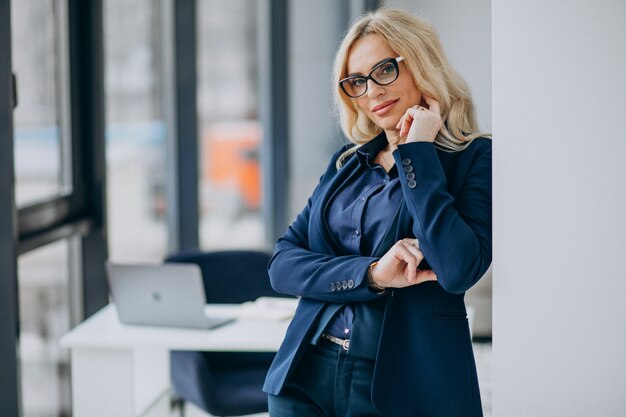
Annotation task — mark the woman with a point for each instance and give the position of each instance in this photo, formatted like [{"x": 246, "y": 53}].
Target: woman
[{"x": 397, "y": 230}]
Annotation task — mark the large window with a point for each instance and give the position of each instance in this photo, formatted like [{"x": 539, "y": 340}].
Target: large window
[
  {"x": 47, "y": 306},
  {"x": 135, "y": 129},
  {"x": 229, "y": 128}
]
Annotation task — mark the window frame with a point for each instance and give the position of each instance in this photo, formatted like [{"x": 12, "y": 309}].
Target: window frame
[{"x": 9, "y": 394}]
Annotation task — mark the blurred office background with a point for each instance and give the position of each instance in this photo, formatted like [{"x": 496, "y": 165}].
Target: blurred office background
[
  {"x": 145, "y": 126},
  {"x": 142, "y": 127}
]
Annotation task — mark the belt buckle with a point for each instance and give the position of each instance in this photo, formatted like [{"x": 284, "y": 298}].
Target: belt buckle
[{"x": 345, "y": 344}]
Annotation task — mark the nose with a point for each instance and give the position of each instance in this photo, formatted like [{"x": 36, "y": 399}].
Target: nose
[{"x": 374, "y": 90}]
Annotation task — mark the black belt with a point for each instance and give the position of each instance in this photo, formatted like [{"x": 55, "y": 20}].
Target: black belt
[{"x": 344, "y": 343}]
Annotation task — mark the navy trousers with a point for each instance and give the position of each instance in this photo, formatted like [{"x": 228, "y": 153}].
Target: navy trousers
[{"x": 327, "y": 382}]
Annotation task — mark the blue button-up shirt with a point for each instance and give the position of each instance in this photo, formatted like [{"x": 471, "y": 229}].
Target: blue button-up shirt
[{"x": 360, "y": 214}]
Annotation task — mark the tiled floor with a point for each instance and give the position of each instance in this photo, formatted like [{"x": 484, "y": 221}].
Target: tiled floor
[{"x": 482, "y": 353}]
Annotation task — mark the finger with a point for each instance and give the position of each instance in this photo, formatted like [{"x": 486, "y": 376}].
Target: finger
[
  {"x": 412, "y": 258},
  {"x": 412, "y": 241},
  {"x": 401, "y": 126},
  {"x": 426, "y": 275},
  {"x": 413, "y": 245},
  {"x": 410, "y": 272},
  {"x": 433, "y": 105},
  {"x": 405, "y": 257},
  {"x": 407, "y": 113},
  {"x": 418, "y": 256},
  {"x": 407, "y": 120},
  {"x": 416, "y": 252}
]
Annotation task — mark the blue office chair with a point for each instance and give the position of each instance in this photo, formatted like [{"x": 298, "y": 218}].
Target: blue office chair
[{"x": 225, "y": 383}]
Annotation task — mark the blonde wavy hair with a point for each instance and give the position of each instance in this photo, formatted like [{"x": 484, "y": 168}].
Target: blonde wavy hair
[{"x": 418, "y": 43}]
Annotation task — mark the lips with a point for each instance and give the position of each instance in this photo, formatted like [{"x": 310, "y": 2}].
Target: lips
[{"x": 384, "y": 107}]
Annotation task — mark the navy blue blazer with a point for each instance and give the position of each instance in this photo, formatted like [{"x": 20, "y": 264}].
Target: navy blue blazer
[{"x": 425, "y": 364}]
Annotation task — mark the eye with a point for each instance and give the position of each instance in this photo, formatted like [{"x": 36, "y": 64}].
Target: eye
[
  {"x": 387, "y": 68},
  {"x": 357, "y": 82}
]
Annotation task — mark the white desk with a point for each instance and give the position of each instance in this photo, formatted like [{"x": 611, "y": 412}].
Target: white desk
[{"x": 123, "y": 371}]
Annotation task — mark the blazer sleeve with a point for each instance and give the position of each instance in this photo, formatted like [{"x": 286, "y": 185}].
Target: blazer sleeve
[
  {"x": 454, "y": 233},
  {"x": 297, "y": 270}
]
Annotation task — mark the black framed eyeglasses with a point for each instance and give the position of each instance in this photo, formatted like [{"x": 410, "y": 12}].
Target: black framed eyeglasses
[{"x": 382, "y": 74}]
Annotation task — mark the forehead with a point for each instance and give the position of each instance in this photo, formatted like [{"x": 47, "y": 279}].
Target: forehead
[{"x": 366, "y": 52}]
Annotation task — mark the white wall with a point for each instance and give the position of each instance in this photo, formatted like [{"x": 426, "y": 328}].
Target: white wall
[{"x": 559, "y": 87}]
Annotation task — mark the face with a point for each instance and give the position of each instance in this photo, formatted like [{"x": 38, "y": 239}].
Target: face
[{"x": 383, "y": 104}]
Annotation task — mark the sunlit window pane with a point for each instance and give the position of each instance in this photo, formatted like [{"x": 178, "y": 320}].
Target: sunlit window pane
[
  {"x": 35, "y": 35},
  {"x": 230, "y": 133},
  {"x": 44, "y": 298},
  {"x": 135, "y": 129}
]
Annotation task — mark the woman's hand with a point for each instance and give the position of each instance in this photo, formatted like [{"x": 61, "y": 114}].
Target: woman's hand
[
  {"x": 421, "y": 124},
  {"x": 398, "y": 267}
]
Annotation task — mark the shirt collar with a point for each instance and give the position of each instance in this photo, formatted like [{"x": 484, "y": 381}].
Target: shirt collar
[{"x": 368, "y": 152}]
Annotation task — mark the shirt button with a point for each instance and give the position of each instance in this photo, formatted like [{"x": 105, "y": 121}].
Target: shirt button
[
  {"x": 346, "y": 331},
  {"x": 362, "y": 198},
  {"x": 406, "y": 161},
  {"x": 356, "y": 232}
]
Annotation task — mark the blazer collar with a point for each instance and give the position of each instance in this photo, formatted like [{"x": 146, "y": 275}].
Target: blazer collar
[{"x": 367, "y": 152}]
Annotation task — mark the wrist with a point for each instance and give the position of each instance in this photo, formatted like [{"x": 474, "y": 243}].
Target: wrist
[{"x": 373, "y": 286}]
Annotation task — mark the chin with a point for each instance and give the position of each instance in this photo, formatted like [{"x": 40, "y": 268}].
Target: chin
[{"x": 387, "y": 123}]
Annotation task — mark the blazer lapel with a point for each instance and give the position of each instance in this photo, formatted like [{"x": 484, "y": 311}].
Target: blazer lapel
[{"x": 318, "y": 215}]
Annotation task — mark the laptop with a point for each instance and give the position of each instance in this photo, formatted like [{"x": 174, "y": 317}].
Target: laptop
[{"x": 161, "y": 295}]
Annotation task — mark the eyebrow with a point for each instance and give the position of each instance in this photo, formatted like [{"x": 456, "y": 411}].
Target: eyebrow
[{"x": 353, "y": 74}]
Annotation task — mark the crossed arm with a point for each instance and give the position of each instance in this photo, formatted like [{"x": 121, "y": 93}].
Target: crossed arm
[{"x": 453, "y": 234}]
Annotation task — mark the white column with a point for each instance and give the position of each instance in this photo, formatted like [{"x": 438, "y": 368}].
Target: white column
[{"x": 559, "y": 89}]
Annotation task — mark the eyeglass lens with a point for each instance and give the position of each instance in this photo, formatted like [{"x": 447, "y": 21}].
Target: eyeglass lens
[{"x": 383, "y": 74}]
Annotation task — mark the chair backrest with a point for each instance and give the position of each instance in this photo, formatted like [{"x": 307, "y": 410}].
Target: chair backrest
[{"x": 231, "y": 276}]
